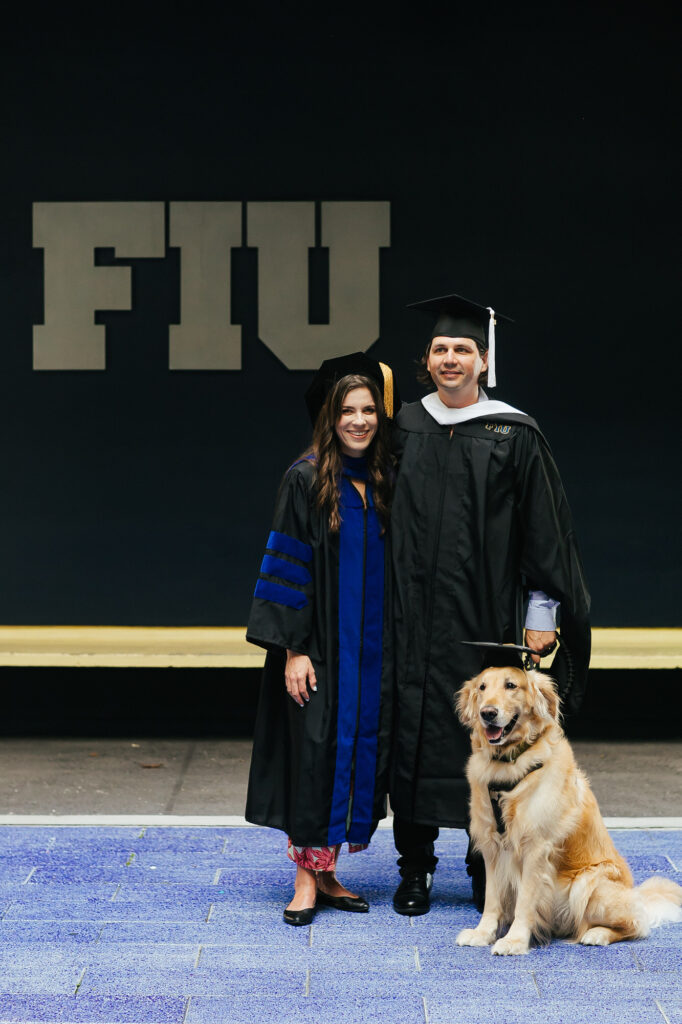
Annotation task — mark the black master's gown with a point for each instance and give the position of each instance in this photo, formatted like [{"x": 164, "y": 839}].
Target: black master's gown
[
  {"x": 319, "y": 773},
  {"x": 479, "y": 517}
]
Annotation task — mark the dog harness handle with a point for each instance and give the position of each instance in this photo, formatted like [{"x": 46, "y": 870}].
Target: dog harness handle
[{"x": 494, "y": 790}]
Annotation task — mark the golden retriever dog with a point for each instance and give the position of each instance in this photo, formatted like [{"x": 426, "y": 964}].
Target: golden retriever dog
[{"x": 551, "y": 867}]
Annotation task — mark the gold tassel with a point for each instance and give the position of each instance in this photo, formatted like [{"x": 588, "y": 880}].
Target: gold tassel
[{"x": 388, "y": 389}]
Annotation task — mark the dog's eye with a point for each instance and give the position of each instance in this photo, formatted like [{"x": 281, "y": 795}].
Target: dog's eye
[
  {"x": 509, "y": 685},
  {"x": 482, "y": 686}
]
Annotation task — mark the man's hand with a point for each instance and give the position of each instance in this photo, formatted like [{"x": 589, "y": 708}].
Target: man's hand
[
  {"x": 537, "y": 640},
  {"x": 299, "y": 670}
]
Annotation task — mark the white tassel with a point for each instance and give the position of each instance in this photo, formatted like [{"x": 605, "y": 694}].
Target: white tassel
[{"x": 491, "y": 349}]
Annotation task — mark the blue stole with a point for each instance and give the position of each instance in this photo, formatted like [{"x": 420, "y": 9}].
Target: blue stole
[{"x": 360, "y": 603}]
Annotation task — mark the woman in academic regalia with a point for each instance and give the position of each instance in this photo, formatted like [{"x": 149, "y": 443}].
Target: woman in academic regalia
[{"x": 320, "y": 753}]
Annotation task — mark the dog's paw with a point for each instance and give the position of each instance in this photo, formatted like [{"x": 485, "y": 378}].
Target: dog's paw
[
  {"x": 474, "y": 937},
  {"x": 597, "y": 937},
  {"x": 509, "y": 947}
]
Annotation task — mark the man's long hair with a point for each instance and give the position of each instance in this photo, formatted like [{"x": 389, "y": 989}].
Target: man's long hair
[{"x": 326, "y": 453}]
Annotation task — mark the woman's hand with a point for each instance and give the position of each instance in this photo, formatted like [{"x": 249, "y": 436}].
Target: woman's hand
[{"x": 298, "y": 672}]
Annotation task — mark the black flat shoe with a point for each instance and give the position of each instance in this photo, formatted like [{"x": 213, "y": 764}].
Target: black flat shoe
[
  {"x": 355, "y": 904},
  {"x": 299, "y": 917},
  {"x": 412, "y": 897}
]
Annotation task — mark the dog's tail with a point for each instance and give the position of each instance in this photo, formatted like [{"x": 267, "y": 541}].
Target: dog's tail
[{"x": 661, "y": 901}]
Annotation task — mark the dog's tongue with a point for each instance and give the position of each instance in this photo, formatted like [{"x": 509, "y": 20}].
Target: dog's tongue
[{"x": 493, "y": 732}]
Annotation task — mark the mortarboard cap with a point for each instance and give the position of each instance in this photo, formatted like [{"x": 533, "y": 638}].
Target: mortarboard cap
[
  {"x": 332, "y": 370},
  {"x": 458, "y": 317},
  {"x": 501, "y": 655}
]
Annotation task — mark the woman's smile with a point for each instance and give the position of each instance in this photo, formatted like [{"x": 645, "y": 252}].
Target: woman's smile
[{"x": 358, "y": 422}]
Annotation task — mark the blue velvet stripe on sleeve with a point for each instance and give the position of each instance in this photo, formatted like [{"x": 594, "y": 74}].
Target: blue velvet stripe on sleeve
[
  {"x": 282, "y": 544},
  {"x": 275, "y": 592},
  {"x": 289, "y": 571}
]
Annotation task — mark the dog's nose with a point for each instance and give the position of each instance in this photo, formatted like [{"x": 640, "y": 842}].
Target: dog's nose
[{"x": 489, "y": 714}]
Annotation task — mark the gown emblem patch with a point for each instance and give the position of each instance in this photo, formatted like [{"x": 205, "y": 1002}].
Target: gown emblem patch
[{"x": 498, "y": 428}]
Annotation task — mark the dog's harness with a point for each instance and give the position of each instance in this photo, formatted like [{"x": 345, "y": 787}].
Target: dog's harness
[{"x": 496, "y": 788}]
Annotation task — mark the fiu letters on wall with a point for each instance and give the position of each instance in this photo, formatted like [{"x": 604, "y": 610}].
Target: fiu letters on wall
[{"x": 206, "y": 233}]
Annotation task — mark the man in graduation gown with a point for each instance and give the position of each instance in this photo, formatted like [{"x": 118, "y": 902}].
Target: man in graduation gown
[{"x": 483, "y": 546}]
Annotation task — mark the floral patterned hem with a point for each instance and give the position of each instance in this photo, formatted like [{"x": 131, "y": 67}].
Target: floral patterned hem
[{"x": 319, "y": 858}]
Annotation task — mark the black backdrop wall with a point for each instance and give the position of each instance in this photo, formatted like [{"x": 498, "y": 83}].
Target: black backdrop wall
[{"x": 530, "y": 159}]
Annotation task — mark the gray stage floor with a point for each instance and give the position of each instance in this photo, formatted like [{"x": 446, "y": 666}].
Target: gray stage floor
[
  {"x": 110, "y": 924},
  {"x": 205, "y": 777}
]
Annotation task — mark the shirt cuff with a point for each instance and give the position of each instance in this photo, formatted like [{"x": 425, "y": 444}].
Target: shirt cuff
[{"x": 542, "y": 612}]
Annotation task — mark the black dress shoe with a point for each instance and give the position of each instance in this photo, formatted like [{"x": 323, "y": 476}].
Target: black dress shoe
[
  {"x": 355, "y": 904},
  {"x": 412, "y": 897},
  {"x": 299, "y": 917}
]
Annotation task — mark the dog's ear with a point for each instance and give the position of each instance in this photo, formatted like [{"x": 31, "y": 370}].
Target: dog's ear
[
  {"x": 465, "y": 703},
  {"x": 546, "y": 699}
]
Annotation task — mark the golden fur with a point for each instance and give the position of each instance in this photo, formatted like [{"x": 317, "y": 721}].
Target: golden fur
[{"x": 554, "y": 870}]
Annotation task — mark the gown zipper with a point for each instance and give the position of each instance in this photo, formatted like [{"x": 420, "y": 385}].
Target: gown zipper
[{"x": 427, "y": 657}]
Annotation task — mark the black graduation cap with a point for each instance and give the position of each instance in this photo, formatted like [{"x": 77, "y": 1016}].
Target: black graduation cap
[
  {"x": 458, "y": 317},
  {"x": 503, "y": 655},
  {"x": 332, "y": 370}
]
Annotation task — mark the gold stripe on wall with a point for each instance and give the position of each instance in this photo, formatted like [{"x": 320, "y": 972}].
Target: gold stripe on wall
[{"x": 226, "y": 647}]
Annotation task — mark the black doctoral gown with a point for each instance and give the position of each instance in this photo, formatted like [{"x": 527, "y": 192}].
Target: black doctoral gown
[
  {"x": 479, "y": 518},
  {"x": 320, "y": 773}
]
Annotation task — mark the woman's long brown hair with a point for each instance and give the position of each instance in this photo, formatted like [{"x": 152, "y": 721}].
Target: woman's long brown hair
[{"x": 328, "y": 456}]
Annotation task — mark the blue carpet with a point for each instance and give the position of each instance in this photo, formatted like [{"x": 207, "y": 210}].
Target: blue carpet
[{"x": 183, "y": 926}]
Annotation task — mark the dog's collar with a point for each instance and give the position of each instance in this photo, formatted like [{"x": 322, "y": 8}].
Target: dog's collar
[
  {"x": 507, "y": 787},
  {"x": 514, "y": 754}
]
